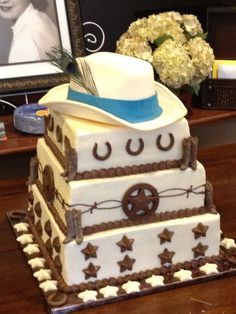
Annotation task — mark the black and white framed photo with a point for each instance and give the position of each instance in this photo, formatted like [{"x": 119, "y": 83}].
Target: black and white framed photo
[{"x": 29, "y": 29}]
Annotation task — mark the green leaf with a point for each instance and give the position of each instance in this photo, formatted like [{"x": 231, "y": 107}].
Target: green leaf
[
  {"x": 189, "y": 36},
  {"x": 194, "y": 89},
  {"x": 202, "y": 35},
  {"x": 160, "y": 40}
]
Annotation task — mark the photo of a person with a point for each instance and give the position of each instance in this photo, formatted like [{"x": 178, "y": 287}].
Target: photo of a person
[{"x": 33, "y": 31}]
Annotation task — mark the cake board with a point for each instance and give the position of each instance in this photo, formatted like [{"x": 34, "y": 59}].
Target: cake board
[{"x": 59, "y": 302}]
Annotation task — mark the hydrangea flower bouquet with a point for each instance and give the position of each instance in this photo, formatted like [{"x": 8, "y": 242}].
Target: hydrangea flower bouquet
[{"x": 175, "y": 46}]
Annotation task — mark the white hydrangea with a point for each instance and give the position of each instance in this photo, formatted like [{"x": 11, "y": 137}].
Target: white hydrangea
[
  {"x": 139, "y": 28},
  {"x": 173, "y": 64},
  {"x": 165, "y": 24},
  {"x": 135, "y": 47},
  {"x": 156, "y": 26},
  {"x": 182, "y": 58},
  {"x": 202, "y": 58},
  {"x": 191, "y": 24}
]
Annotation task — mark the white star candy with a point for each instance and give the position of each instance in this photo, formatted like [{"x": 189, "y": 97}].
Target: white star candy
[
  {"x": 131, "y": 286},
  {"x": 109, "y": 291},
  {"x": 228, "y": 243},
  {"x": 21, "y": 226},
  {"x": 183, "y": 274},
  {"x": 209, "y": 269},
  {"x": 31, "y": 249},
  {"x": 48, "y": 285},
  {"x": 25, "y": 238},
  {"x": 155, "y": 281},
  {"x": 37, "y": 262},
  {"x": 88, "y": 295},
  {"x": 43, "y": 274}
]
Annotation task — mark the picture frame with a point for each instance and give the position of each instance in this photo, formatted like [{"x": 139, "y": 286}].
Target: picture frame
[{"x": 43, "y": 75}]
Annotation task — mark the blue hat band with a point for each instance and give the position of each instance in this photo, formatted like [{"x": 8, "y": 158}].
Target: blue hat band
[{"x": 132, "y": 111}]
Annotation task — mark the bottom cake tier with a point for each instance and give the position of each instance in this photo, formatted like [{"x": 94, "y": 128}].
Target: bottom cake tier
[{"x": 62, "y": 298}]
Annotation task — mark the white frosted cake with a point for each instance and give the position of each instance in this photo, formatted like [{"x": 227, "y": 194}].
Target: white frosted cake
[
  {"x": 114, "y": 207},
  {"x": 136, "y": 197}
]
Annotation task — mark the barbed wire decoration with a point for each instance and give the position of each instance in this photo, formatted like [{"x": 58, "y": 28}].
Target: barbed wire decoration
[{"x": 114, "y": 204}]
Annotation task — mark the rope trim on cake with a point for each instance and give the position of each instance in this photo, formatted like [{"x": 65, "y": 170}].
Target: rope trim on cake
[
  {"x": 166, "y": 271},
  {"x": 128, "y": 170},
  {"x": 182, "y": 213}
]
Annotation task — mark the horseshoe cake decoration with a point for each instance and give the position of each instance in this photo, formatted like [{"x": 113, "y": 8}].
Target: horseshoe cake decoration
[
  {"x": 169, "y": 146},
  {"x": 138, "y": 151},
  {"x": 104, "y": 157}
]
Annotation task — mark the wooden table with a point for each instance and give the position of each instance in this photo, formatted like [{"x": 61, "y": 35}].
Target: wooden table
[{"x": 20, "y": 294}]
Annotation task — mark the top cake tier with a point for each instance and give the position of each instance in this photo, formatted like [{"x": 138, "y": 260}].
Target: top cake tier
[{"x": 97, "y": 146}]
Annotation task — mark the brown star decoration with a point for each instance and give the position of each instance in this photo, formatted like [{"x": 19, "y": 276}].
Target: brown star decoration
[
  {"x": 199, "y": 250},
  {"x": 91, "y": 271},
  {"x": 90, "y": 251},
  {"x": 165, "y": 236},
  {"x": 200, "y": 230},
  {"x": 125, "y": 244},
  {"x": 166, "y": 256},
  {"x": 126, "y": 263}
]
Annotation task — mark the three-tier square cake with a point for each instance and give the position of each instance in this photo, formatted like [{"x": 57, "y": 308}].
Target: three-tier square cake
[{"x": 118, "y": 203}]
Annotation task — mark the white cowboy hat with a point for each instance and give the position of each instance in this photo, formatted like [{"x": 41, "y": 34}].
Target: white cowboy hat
[{"x": 128, "y": 95}]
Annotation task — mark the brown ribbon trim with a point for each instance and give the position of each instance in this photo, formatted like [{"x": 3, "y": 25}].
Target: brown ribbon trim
[{"x": 128, "y": 170}]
